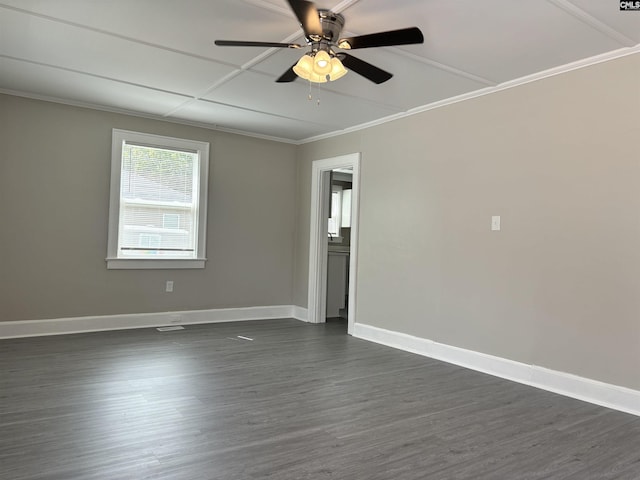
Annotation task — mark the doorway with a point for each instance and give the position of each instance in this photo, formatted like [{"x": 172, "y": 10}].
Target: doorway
[{"x": 319, "y": 233}]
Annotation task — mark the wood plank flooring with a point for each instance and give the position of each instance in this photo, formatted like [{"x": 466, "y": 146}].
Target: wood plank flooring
[{"x": 298, "y": 401}]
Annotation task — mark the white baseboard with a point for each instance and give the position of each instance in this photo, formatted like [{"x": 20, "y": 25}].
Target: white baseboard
[
  {"x": 300, "y": 313},
  {"x": 62, "y": 326},
  {"x": 592, "y": 391}
]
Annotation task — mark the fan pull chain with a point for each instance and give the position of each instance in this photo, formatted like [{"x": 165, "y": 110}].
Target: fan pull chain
[{"x": 310, "y": 97}]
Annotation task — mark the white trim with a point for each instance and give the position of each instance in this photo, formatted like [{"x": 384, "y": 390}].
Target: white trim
[
  {"x": 300, "y": 313},
  {"x": 318, "y": 247},
  {"x": 151, "y": 263},
  {"x": 586, "y": 62},
  {"x": 318, "y": 244},
  {"x": 63, "y": 326},
  {"x": 200, "y": 185},
  {"x": 353, "y": 243},
  {"x": 586, "y": 389},
  {"x": 148, "y": 116}
]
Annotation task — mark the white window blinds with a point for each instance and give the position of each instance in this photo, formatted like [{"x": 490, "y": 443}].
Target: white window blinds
[{"x": 158, "y": 202}]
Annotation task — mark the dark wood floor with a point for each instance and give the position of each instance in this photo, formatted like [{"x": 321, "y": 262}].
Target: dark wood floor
[{"x": 298, "y": 402}]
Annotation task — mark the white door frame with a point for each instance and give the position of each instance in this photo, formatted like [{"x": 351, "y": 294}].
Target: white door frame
[{"x": 317, "y": 300}]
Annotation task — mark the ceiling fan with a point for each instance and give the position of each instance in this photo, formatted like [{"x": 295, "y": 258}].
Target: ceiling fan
[{"x": 322, "y": 63}]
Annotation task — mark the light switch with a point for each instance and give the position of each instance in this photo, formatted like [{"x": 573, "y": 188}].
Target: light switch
[
  {"x": 495, "y": 223},
  {"x": 169, "y": 286}
]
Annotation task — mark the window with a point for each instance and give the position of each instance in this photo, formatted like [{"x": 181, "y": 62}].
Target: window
[
  {"x": 336, "y": 210},
  {"x": 149, "y": 240},
  {"x": 157, "y": 212},
  {"x": 346, "y": 208},
  {"x": 171, "y": 220}
]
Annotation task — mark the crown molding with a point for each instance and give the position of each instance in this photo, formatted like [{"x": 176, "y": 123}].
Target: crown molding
[
  {"x": 160, "y": 118},
  {"x": 569, "y": 67},
  {"x": 587, "y": 62}
]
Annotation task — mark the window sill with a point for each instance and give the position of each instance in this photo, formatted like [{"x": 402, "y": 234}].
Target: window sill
[{"x": 153, "y": 263}]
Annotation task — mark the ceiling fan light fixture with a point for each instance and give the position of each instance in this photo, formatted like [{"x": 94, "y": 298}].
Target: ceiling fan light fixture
[
  {"x": 322, "y": 29},
  {"x": 318, "y": 78},
  {"x": 322, "y": 63},
  {"x": 304, "y": 67},
  {"x": 337, "y": 69}
]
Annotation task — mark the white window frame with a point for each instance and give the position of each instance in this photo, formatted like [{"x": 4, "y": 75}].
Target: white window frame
[{"x": 119, "y": 137}]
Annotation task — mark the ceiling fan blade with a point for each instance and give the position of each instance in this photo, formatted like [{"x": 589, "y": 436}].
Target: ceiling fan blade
[
  {"x": 288, "y": 76},
  {"x": 308, "y": 16},
  {"x": 370, "y": 72},
  {"x": 240, "y": 43},
  {"x": 405, "y": 36}
]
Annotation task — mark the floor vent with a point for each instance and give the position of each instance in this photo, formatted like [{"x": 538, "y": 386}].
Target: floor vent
[{"x": 170, "y": 329}]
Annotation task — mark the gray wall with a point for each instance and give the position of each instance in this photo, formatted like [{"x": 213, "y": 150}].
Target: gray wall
[
  {"x": 559, "y": 160},
  {"x": 54, "y": 202}
]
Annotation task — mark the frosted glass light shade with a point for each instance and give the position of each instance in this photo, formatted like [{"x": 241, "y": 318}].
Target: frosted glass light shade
[
  {"x": 337, "y": 69},
  {"x": 306, "y": 68},
  {"x": 322, "y": 63}
]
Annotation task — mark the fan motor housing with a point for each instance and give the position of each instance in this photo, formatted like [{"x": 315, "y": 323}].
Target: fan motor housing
[{"x": 332, "y": 24}]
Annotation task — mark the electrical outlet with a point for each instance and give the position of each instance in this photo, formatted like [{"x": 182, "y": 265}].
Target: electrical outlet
[{"x": 169, "y": 287}]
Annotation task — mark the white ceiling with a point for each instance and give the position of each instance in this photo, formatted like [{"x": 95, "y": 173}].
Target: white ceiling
[{"x": 157, "y": 58}]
